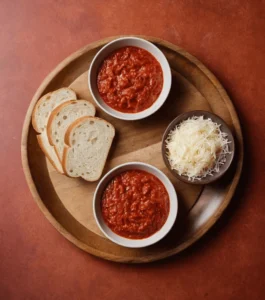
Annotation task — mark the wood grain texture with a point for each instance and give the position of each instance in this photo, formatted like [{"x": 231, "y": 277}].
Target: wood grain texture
[{"x": 67, "y": 203}]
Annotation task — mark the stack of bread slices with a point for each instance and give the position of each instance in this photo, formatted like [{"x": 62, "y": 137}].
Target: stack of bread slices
[{"x": 75, "y": 141}]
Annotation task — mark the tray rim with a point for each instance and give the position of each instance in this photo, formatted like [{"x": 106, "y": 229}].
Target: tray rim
[{"x": 37, "y": 198}]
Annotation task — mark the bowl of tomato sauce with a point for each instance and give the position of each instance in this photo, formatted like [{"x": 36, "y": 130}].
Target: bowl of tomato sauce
[
  {"x": 135, "y": 205},
  {"x": 129, "y": 78}
]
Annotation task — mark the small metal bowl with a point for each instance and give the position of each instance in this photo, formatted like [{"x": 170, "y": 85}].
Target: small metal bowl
[{"x": 224, "y": 128}]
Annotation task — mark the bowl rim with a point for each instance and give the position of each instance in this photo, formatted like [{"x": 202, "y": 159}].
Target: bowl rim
[
  {"x": 162, "y": 232},
  {"x": 154, "y": 107},
  {"x": 214, "y": 118}
]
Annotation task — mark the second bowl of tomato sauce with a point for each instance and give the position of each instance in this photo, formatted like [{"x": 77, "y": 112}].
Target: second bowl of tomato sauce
[
  {"x": 135, "y": 205},
  {"x": 129, "y": 78}
]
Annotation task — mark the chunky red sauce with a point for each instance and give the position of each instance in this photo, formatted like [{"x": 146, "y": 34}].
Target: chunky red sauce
[
  {"x": 130, "y": 80},
  {"x": 135, "y": 204}
]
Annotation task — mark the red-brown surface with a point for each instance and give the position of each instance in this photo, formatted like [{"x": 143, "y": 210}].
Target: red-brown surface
[{"x": 36, "y": 261}]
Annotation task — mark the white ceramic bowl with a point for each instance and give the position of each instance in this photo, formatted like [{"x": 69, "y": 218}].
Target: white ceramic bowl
[
  {"x": 114, "y": 45},
  {"x": 134, "y": 243}
]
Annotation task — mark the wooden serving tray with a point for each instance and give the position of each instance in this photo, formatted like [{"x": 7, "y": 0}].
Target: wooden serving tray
[{"x": 67, "y": 202}]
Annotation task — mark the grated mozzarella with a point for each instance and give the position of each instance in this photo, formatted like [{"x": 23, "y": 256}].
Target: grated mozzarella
[{"x": 197, "y": 148}]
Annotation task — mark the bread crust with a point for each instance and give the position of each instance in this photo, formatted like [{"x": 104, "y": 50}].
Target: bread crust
[
  {"x": 33, "y": 117},
  {"x": 43, "y": 148}
]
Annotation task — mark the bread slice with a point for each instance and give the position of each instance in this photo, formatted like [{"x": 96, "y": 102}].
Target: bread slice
[
  {"x": 46, "y": 104},
  {"x": 88, "y": 141},
  {"x": 40, "y": 117},
  {"x": 63, "y": 116}
]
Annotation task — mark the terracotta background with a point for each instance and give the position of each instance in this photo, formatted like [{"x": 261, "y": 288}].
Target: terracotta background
[{"x": 36, "y": 262}]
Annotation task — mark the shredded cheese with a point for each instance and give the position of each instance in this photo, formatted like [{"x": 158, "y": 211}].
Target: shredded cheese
[{"x": 197, "y": 148}]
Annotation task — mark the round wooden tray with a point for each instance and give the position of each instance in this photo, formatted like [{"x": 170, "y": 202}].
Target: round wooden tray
[{"x": 67, "y": 202}]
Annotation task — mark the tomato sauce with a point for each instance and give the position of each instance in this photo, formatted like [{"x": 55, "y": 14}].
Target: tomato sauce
[
  {"x": 135, "y": 204},
  {"x": 130, "y": 80}
]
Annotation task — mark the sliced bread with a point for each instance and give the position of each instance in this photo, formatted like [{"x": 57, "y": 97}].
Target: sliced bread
[
  {"x": 88, "y": 141},
  {"x": 40, "y": 117},
  {"x": 63, "y": 116},
  {"x": 46, "y": 104}
]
